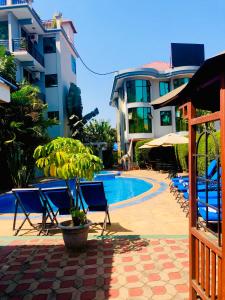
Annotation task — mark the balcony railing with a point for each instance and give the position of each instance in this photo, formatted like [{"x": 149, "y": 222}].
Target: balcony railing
[
  {"x": 4, "y": 43},
  {"x": 14, "y": 2},
  {"x": 2, "y": 2},
  {"x": 23, "y": 44}
]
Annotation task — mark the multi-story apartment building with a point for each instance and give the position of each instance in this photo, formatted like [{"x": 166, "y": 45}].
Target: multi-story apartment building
[
  {"x": 44, "y": 52},
  {"x": 132, "y": 93}
]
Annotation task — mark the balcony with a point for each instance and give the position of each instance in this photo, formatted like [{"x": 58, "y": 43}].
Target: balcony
[
  {"x": 21, "y": 45},
  {"x": 14, "y": 2}
]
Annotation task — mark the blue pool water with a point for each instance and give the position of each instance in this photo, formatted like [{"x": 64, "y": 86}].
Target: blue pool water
[{"x": 116, "y": 189}]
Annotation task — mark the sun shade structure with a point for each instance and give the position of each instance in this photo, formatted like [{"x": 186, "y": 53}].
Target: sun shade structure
[
  {"x": 206, "y": 91},
  {"x": 145, "y": 146},
  {"x": 167, "y": 97},
  {"x": 167, "y": 140}
]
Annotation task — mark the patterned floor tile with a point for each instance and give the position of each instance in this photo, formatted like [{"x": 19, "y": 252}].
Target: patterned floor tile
[{"x": 115, "y": 268}]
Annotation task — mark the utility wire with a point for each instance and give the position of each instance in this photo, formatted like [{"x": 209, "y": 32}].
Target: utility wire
[{"x": 92, "y": 71}]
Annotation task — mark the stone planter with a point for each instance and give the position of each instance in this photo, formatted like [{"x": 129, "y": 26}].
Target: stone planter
[{"x": 75, "y": 237}]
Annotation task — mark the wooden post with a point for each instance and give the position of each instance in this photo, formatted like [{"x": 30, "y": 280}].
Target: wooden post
[
  {"x": 192, "y": 196},
  {"x": 222, "y": 141}
]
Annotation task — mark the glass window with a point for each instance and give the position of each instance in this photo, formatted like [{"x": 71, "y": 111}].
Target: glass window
[
  {"x": 166, "y": 118},
  {"x": 140, "y": 120},
  {"x": 181, "y": 124},
  {"x": 138, "y": 91},
  {"x": 4, "y": 31},
  {"x": 73, "y": 63},
  {"x": 53, "y": 115},
  {"x": 164, "y": 88},
  {"x": 49, "y": 45},
  {"x": 179, "y": 81},
  {"x": 51, "y": 80}
]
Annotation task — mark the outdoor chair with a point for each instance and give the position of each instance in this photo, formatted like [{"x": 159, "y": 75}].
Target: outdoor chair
[
  {"x": 59, "y": 199},
  {"x": 29, "y": 201},
  {"x": 94, "y": 196},
  {"x": 175, "y": 181},
  {"x": 213, "y": 214}
]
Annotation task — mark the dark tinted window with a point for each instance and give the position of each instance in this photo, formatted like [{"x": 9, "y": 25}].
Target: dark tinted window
[
  {"x": 166, "y": 118},
  {"x": 53, "y": 115},
  {"x": 164, "y": 88},
  {"x": 51, "y": 80},
  {"x": 140, "y": 120},
  {"x": 49, "y": 45}
]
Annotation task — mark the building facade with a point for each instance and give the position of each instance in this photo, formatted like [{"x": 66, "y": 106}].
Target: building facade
[
  {"x": 45, "y": 55},
  {"x": 132, "y": 93}
]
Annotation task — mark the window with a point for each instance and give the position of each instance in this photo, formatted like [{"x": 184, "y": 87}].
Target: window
[
  {"x": 73, "y": 63},
  {"x": 4, "y": 31},
  {"x": 166, "y": 118},
  {"x": 140, "y": 120},
  {"x": 49, "y": 45},
  {"x": 138, "y": 91},
  {"x": 53, "y": 115},
  {"x": 164, "y": 88},
  {"x": 51, "y": 80},
  {"x": 179, "y": 81}
]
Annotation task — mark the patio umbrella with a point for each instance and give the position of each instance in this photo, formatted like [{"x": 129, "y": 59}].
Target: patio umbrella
[
  {"x": 146, "y": 147},
  {"x": 168, "y": 139}
]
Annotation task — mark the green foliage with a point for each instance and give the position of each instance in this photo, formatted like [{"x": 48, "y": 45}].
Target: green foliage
[
  {"x": 7, "y": 65},
  {"x": 22, "y": 127},
  {"x": 79, "y": 217},
  {"x": 182, "y": 153},
  {"x": 99, "y": 131},
  {"x": 67, "y": 158},
  {"x": 141, "y": 155},
  {"x": 211, "y": 151}
]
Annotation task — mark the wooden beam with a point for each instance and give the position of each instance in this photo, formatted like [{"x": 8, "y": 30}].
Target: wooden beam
[
  {"x": 207, "y": 118},
  {"x": 192, "y": 201},
  {"x": 222, "y": 143}
]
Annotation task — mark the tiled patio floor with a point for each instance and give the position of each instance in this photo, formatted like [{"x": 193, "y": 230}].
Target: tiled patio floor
[{"x": 134, "y": 268}]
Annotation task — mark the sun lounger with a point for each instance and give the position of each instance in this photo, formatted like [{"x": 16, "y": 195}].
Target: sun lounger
[
  {"x": 94, "y": 196},
  {"x": 30, "y": 201}
]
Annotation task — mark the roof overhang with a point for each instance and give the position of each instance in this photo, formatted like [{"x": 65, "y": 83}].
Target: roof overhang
[
  {"x": 164, "y": 100},
  {"x": 204, "y": 87},
  {"x": 150, "y": 73}
]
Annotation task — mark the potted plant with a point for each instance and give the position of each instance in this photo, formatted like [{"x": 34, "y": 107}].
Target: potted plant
[{"x": 68, "y": 159}]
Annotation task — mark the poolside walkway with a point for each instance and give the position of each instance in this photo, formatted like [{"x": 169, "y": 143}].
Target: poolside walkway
[{"x": 144, "y": 255}]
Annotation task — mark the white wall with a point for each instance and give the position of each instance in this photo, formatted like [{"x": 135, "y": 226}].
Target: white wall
[{"x": 4, "y": 93}]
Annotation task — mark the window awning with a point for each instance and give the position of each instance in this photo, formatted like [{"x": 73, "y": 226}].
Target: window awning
[{"x": 162, "y": 101}]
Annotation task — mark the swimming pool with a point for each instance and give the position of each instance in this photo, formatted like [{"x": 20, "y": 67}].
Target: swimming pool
[{"x": 117, "y": 189}]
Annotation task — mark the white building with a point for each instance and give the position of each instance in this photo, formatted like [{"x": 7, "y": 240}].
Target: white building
[
  {"x": 44, "y": 53},
  {"x": 5, "y": 90},
  {"x": 132, "y": 93}
]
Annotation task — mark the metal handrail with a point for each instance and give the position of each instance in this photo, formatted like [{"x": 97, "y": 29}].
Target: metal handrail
[{"x": 24, "y": 44}]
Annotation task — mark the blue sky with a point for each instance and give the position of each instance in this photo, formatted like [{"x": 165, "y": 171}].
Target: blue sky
[{"x": 118, "y": 34}]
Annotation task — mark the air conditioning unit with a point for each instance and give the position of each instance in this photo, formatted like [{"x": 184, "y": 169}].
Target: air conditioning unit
[
  {"x": 36, "y": 76},
  {"x": 34, "y": 37}
]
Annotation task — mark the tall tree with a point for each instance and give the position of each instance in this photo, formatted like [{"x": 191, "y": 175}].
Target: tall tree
[
  {"x": 23, "y": 127},
  {"x": 75, "y": 112}
]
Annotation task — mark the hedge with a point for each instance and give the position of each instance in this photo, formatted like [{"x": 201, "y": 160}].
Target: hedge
[{"x": 182, "y": 153}]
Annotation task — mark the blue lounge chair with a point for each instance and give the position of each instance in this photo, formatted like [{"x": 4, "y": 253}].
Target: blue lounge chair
[
  {"x": 60, "y": 198},
  {"x": 30, "y": 201},
  {"x": 94, "y": 196},
  {"x": 212, "y": 185},
  {"x": 180, "y": 179},
  {"x": 213, "y": 214}
]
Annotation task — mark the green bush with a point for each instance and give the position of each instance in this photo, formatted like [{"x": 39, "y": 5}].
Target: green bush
[
  {"x": 182, "y": 153},
  {"x": 141, "y": 155},
  {"x": 211, "y": 151},
  {"x": 182, "y": 156}
]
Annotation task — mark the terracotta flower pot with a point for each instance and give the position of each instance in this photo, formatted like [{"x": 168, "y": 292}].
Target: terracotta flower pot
[{"x": 75, "y": 237}]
